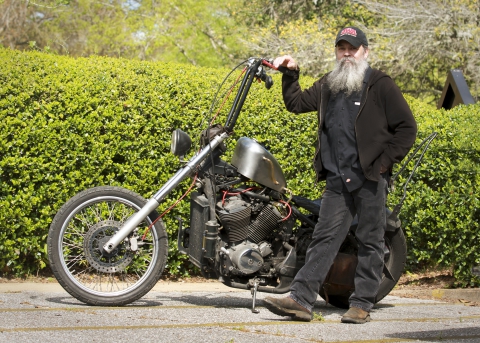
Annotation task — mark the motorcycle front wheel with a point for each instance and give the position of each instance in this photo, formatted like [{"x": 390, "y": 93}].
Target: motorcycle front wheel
[{"x": 76, "y": 237}]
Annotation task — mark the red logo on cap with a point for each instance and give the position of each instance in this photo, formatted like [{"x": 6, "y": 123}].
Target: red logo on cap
[{"x": 349, "y": 31}]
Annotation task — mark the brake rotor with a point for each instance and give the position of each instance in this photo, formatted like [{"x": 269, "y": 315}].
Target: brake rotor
[{"x": 97, "y": 236}]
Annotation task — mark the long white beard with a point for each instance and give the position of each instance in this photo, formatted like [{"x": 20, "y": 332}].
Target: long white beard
[{"x": 347, "y": 77}]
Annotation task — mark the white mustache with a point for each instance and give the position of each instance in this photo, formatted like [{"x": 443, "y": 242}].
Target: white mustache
[{"x": 349, "y": 59}]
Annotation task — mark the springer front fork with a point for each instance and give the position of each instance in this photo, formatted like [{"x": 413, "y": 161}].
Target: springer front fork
[{"x": 155, "y": 201}]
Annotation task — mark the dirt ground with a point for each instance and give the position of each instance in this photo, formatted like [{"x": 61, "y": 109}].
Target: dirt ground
[
  {"x": 421, "y": 285},
  {"x": 426, "y": 280}
]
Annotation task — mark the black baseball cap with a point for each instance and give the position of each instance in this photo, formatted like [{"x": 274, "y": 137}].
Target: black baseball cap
[{"x": 353, "y": 35}]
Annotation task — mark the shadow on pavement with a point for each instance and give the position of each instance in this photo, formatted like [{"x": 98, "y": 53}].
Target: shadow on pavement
[
  {"x": 73, "y": 301},
  {"x": 233, "y": 301},
  {"x": 441, "y": 335}
]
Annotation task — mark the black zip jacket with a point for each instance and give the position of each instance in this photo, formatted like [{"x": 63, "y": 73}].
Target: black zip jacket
[{"x": 385, "y": 128}]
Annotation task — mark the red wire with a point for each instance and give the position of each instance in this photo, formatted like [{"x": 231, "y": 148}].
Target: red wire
[
  {"x": 168, "y": 209},
  {"x": 264, "y": 62},
  {"x": 226, "y": 96},
  {"x": 225, "y": 193},
  {"x": 289, "y": 208},
  {"x": 223, "y": 198}
]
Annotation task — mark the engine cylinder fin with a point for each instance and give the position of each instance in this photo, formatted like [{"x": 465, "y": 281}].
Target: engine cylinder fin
[
  {"x": 263, "y": 225},
  {"x": 236, "y": 223}
]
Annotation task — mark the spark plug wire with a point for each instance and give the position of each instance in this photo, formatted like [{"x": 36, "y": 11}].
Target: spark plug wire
[{"x": 289, "y": 210}]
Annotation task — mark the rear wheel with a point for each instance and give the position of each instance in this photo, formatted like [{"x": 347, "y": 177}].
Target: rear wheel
[
  {"x": 79, "y": 231},
  {"x": 395, "y": 256}
]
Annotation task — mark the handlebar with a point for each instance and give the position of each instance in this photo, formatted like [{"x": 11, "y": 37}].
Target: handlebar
[
  {"x": 281, "y": 69},
  {"x": 268, "y": 63},
  {"x": 262, "y": 75},
  {"x": 254, "y": 70}
]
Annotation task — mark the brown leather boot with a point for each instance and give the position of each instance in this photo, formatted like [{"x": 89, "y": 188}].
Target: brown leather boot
[
  {"x": 287, "y": 307},
  {"x": 356, "y": 315}
]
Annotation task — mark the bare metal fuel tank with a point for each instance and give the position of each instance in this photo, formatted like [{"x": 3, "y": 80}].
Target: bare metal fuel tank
[{"x": 255, "y": 162}]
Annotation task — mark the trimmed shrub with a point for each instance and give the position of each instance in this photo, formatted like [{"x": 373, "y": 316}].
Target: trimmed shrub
[
  {"x": 70, "y": 124},
  {"x": 442, "y": 209}
]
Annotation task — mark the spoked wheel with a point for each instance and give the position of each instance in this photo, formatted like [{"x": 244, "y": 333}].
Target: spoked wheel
[
  {"x": 75, "y": 248},
  {"x": 395, "y": 255}
]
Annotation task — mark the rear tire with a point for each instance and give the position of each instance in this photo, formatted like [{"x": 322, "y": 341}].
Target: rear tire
[
  {"x": 76, "y": 237},
  {"x": 340, "y": 301},
  {"x": 395, "y": 257}
]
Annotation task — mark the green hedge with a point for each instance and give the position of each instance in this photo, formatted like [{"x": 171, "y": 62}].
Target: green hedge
[
  {"x": 70, "y": 124},
  {"x": 442, "y": 210}
]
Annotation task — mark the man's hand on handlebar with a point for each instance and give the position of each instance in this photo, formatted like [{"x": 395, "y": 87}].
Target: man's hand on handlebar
[{"x": 286, "y": 61}]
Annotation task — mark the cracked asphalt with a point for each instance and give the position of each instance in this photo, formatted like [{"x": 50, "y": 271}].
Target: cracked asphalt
[{"x": 212, "y": 312}]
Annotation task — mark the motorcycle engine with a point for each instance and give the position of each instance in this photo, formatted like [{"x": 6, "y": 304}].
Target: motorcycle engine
[
  {"x": 246, "y": 257},
  {"x": 247, "y": 225}
]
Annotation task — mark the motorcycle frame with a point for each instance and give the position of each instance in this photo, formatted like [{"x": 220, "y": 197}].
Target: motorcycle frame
[{"x": 254, "y": 70}]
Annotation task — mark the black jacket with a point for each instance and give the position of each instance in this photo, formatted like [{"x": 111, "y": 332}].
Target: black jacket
[{"x": 385, "y": 127}]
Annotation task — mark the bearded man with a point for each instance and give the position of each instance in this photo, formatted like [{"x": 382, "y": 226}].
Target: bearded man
[{"x": 365, "y": 126}]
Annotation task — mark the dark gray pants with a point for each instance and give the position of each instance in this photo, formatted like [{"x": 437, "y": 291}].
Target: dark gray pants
[{"x": 336, "y": 215}]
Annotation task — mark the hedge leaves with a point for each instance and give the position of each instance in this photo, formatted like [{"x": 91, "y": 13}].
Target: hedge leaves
[{"x": 69, "y": 124}]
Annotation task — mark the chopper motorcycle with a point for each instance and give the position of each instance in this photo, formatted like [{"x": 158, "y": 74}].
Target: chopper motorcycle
[{"x": 107, "y": 246}]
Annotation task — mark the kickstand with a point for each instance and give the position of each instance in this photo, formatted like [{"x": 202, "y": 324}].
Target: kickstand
[{"x": 254, "y": 295}]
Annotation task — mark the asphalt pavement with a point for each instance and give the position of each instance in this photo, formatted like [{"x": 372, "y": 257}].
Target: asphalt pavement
[{"x": 212, "y": 312}]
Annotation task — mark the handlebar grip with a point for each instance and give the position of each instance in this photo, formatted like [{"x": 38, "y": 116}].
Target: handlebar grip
[
  {"x": 283, "y": 70},
  {"x": 269, "y": 63}
]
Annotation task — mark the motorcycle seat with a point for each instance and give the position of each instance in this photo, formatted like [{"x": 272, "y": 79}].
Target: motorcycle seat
[{"x": 312, "y": 206}]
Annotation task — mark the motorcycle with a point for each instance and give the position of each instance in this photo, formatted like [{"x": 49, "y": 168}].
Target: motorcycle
[{"x": 107, "y": 245}]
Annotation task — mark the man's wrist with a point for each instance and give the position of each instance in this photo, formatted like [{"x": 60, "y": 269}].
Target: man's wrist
[{"x": 289, "y": 72}]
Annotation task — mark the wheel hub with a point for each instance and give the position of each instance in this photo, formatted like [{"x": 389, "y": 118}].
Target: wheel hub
[{"x": 97, "y": 236}]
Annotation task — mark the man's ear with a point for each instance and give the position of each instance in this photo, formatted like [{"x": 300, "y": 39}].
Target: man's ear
[{"x": 366, "y": 51}]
